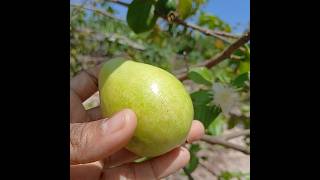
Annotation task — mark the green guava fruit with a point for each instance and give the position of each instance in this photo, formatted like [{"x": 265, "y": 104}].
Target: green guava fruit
[{"x": 161, "y": 103}]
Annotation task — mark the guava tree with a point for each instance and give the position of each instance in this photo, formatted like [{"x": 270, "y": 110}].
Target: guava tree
[{"x": 211, "y": 61}]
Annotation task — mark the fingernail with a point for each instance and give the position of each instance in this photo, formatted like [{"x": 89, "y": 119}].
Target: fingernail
[{"x": 115, "y": 123}]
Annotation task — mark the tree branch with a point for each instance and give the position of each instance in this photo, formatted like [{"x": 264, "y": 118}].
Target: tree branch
[
  {"x": 188, "y": 174},
  {"x": 95, "y": 10},
  {"x": 227, "y": 52},
  {"x": 221, "y": 56},
  {"x": 228, "y": 35},
  {"x": 218, "y": 34},
  {"x": 220, "y": 141},
  {"x": 236, "y": 134},
  {"x": 204, "y": 31},
  {"x": 209, "y": 170},
  {"x": 119, "y": 2},
  {"x": 73, "y": 11},
  {"x": 117, "y": 38}
]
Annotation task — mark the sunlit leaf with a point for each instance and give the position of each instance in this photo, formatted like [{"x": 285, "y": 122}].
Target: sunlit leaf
[
  {"x": 201, "y": 75},
  {"x": 244, "y": 67},
  {"x": 213, "y": 22},
  {"x": 219, "y": 44},
  {"x": 216, "y": 127},
  {"x": 184, "y": 8},
  {"x": 201, "y": 97},
  {"x": 206, "y": 113},
  {"x": 226, "y": 175},
  {"x": 239, "y": 81}
]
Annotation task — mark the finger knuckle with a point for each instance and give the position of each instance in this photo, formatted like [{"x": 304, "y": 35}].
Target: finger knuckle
[{"x": 78, "y": 139}]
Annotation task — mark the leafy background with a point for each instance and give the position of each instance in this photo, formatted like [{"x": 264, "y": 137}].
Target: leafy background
[{"x": 99, "y": 31}]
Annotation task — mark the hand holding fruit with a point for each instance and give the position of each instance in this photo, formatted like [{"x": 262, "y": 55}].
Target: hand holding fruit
[{"x": 97, "y": 144}]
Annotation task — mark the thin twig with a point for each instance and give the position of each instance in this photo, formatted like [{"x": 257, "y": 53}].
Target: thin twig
[
  {"x": 209, "y": 170},
  {"x": 95, "y": 10},
  {"x": 236, "y": 134},
  {"x": 119, "y": 2},
  {"x": 204, "y": 31},
  {"x": 221, "y": 56},
  {"x": 188, "y": 174},
  {"x": 227, "y": 52},
  {"x": 123, "y": 40},
  {"x": 73, "y": 11},
  {"x": 235, "y": 57},
  {"x": 222, "y": 142},
  {"x": 228, "y": 35}
]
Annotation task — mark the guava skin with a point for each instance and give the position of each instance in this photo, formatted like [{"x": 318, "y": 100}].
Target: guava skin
[{"x": 162, "y": 105}]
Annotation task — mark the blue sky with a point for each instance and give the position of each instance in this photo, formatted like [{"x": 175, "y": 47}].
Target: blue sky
[
  {"x": 234, "y": 12},
  {"x": 231, "y": 11}
]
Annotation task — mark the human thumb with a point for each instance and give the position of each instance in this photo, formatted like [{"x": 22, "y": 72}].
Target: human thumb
[{"x": 96, "y": 140}]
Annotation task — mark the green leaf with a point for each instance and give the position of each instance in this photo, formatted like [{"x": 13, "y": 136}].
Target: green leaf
[
  {"x": 213, "y": 22},
  {"x": 226, "y": 175},
  {"x": 244, "y": 67},
  {"x": 223, "y": 73},
  {"x": 110, "y": 10},
  {"x": 203, "y": 111},
  {"x": 201, "y": 97},
  {"x": 235, "y": 121},
  {"x": 186, "y": 43},
  {"x": 165, "y": 6},
  {"x": 244, "y": 53},
  {"x": 206, "y": 114},
  {"x": 141, "y": 15},
  {"x": 232, "y": 123},
  {"x": 216, "y": 127},
  {"x": 184, "y": 8},
  {"x": 244, "y": 63},
  {"x": 194, "y": 148},
  {"x": 247, "y": 47},
  {"x": 239, "y": 81},
  {"x": 193, "y": 163},
  {"x": 201, "y": 75},
  {"x": 194, "y": 160}
]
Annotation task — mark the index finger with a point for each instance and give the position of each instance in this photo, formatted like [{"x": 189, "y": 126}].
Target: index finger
[{"x": 85, "y": 83}]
